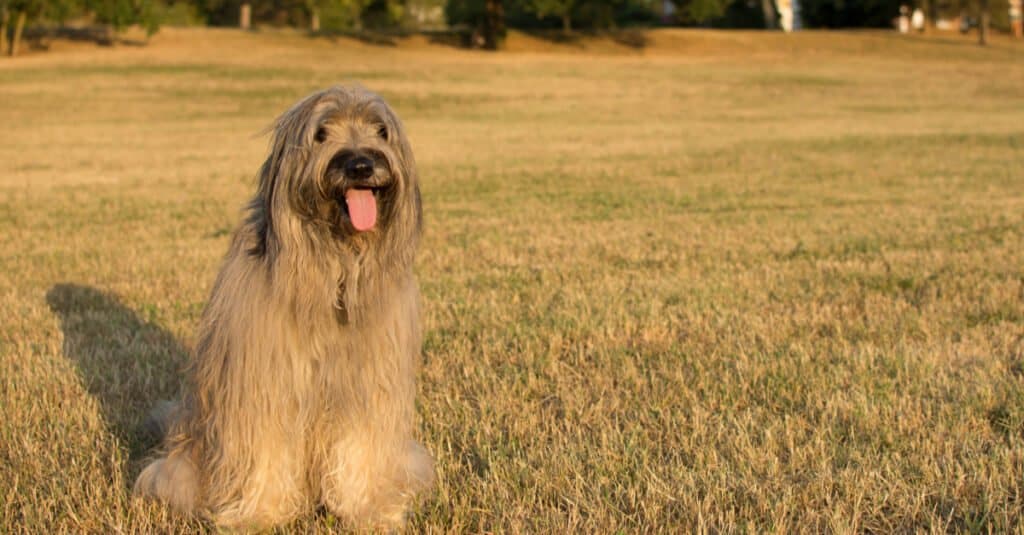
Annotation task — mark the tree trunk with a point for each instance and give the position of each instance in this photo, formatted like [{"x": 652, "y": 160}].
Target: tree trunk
[
  {"x": 1016, "y": 16},
  {"x": 245, "y": 16},
  {"x": 314, "y": 21},
  {"x": 566, "y": 23},
  {"x": 983, "y": 21},
  {"x": 4, "y": 15},
  {"x": 931, "y": 15},
  {"x": 494, "y": 23},
  {"x": 16, "y": 38},
  {"x": 768, "y": 7}
]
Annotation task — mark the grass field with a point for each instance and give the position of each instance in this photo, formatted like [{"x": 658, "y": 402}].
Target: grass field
[{"x": 728, "y": 281}]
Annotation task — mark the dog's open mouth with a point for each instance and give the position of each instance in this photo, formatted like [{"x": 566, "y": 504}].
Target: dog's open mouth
[{"x": 361, "y": 205}]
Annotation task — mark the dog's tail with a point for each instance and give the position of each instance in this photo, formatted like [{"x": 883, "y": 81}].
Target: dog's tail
[{"x": 160, "y": 418}]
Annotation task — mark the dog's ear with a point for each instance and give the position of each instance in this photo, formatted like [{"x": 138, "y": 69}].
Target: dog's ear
[
  {"x": 396, "y": 133},
  {"x": 290, "y": 139},
  {"x": 260, "y": 218},
  {"x": 407, "y": 163}
]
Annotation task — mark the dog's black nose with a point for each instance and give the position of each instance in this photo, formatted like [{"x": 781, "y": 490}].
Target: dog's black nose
[{"x": 358, "y": 168}]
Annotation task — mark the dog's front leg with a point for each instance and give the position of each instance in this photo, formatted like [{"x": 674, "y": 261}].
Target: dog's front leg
[
  {"x": 373, "y": 478},
  {"x": 373, "y": 468}
]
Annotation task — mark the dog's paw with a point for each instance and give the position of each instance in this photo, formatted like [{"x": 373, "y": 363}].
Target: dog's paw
[{"x": 171, "y": 480}]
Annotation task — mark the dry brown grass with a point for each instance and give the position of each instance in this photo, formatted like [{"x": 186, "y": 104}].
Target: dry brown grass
[{"x": 733, "y": 281}]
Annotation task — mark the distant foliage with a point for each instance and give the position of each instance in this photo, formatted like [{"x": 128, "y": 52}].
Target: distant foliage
[
  {"x": 115, "y": 14},
  {"x": 557, "y": 14},
  {"x": 607, "y": 14},
  {"x": 382, "y": 14},
  {"x": 719, "y": 13},
  {"x": 178, "y": 14},
  {"x": 471, "y": 15},
  {"x": 742, "y": 14},
  {"x": 275, "y": 12},
  {"x": 562, "y": 9},
  {"x": 701, "y": 11},
  {"x": 850, "y": 13},
  {"x": 341, "y": 14},
  {"x": 59, "y": 10},
  {"x": 120, "y": 14},
  {"x": 335, "y": 15},
  {"x": 464, "y": 12}
]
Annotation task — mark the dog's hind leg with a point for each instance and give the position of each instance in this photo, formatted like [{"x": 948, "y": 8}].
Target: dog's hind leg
[
  {"x": 171, "y": 479},
  {"x": 271, "y": 493}
]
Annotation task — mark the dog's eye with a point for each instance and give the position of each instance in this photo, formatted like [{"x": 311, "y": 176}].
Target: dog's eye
[
  {"x": 383, "y": 132},
  {"x": 321, "y": 135}
]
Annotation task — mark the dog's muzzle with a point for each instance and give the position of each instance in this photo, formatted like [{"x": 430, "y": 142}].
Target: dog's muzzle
[{"x": 357, "y": 176}]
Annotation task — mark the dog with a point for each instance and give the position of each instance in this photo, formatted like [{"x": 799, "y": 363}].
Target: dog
[{"x": 301, "y": 384}]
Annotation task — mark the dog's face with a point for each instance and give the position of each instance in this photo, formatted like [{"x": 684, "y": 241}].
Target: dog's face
[
  {"x": 357, "y": 175},
  {"x": 340, "y": 161}
]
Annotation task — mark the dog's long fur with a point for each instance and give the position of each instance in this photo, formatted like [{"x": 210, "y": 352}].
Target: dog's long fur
[{"x": 302, "y": 378}]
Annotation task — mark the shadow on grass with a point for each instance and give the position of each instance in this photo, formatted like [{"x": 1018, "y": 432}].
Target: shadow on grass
[
  {"x": 459, "y": 37},
  {"x": 456, "y": 37},
  {"x": 38, "y": 37},
  {"x": 631, "y": 38},
  {"x": 464, "y": 37},
  {"x": 968, "y": 41},
  {"x": 376, "y": 38},
  {"x": 127, "y": 363}
]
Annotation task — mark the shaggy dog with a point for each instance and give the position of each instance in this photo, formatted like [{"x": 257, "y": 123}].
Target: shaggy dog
[{"x": 301, "y": 384}]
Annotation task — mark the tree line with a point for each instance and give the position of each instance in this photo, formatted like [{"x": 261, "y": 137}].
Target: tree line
[{"x": 481, "y": 22}]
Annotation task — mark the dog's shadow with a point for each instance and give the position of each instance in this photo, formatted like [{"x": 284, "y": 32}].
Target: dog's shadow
[{"x": 127, "y": 363}]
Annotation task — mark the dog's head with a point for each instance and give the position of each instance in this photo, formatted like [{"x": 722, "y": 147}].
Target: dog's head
[{"x": 340, "y": 163}]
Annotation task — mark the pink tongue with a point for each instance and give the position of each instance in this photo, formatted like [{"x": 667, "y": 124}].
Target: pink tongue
[{"x": 362, "y": 208}]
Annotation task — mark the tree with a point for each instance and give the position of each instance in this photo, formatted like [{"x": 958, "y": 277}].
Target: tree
[
  {"x": 23, "y": 11},
  {"x": 485, "y": 20},
  {"x": 768, "y": 8},
  {"x": 701, "y": 11},
  {"x": 559, "y": 8},
  {"x": 4, "y": 16},
  {"x": 16, "y": 36},
  {"x": 119, "y": 14},
  {"x": 313, "y": 6},
  {"x": 494, "y": 24},
  {"x": 377, "y": 14},
  {"x": 845, "y": 14},
  {"x": 983, "y": 22},
  {"x": 346, "y": 14}
]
